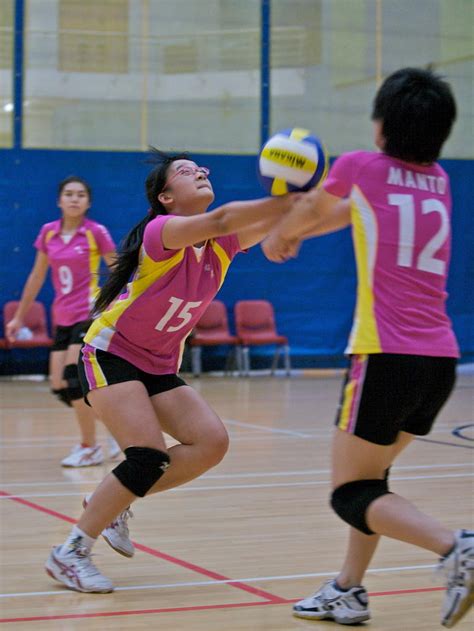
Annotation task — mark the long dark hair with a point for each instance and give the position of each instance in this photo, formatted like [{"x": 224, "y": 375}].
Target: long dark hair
[{"x": 127, "y": 259}]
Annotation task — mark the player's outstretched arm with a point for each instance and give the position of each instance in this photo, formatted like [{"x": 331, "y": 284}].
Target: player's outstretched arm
[
  {"x": 255, "y": 232},
  {"x": 337, "y": 219},
  {"x": 315, "y": 213},
  {"x": 179, "y": 231}
]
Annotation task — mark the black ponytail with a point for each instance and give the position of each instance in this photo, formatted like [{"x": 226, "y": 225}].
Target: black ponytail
[{"x": 127, "y": 259}]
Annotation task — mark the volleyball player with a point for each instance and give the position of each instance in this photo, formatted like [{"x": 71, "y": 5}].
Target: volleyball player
[
  {"x": 178, "y": 256},
  {"x": 402, "y": 347},
  {"x": 72, "y": 246}
]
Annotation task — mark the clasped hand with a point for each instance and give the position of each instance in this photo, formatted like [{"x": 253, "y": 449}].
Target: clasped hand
[{"x": 278, "y": 249}]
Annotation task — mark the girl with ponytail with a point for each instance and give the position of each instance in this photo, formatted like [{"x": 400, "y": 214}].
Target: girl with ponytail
[
  {"x": 127, "y": 260},
  {"x": 169, "y": 268}
]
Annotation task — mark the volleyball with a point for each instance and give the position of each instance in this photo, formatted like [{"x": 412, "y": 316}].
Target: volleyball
[{"x": 292, "y": 160}]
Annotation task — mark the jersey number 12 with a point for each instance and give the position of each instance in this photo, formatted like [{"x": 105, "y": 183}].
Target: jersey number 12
[{"x": 426, "y": 260}]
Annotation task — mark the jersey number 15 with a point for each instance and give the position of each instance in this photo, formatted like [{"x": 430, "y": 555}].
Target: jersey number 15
[{"x": 182, "y": 315}]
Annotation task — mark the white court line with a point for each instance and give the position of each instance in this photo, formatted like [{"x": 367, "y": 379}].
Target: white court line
[
  {"x": 325, "y": 471},
  {"x": 263, "y": 428},
  {"x": 48, "y": 441},
  {"x": 34, "y": 440},
  {"x": 313, "y": 433},
  {"x": 237, "y": 487},
  {"x": 48, "y": 437},
  {"x": 285, "y": 577},
  {"x": 233, "y": 476},
  {"x": 234, "y": 438}
]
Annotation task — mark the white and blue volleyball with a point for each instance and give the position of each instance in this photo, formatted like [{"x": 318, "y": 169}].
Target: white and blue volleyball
[{"x": 292, "y": 160}]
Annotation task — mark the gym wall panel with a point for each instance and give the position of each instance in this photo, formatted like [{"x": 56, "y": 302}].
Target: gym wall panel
[{"x": 313, "y": 295}]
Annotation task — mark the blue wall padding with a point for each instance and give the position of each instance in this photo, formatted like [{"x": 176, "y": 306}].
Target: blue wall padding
[{"x": 313, "y": 295}]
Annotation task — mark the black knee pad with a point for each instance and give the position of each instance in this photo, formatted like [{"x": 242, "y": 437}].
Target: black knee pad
[
  {"x": 351, "y": 500},
  {"x": 142, "y": 468},
  {"x": 62, "y": 395},
  {"x": 71, "y": 375}
]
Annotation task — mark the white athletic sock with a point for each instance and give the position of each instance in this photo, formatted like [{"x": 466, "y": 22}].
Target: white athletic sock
[{"x": 77, "y": 539}]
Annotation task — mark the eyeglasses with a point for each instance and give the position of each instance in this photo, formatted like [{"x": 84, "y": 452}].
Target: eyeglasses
[{"x": 189, "y": 171}]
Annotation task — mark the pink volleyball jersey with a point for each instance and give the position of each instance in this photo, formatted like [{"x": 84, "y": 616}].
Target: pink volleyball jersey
[
  {"x": 169, "y": 292},
  {"x": 401, "y": 229},
  {"x": 74, "y": 267}
]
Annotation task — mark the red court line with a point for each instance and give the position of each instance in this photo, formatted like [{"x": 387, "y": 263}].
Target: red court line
[
  {"x": 161, "y": 555},
  {"x": 43, "y": 509},
  {"x": 209, "y": 573},
  {"x": 271, "y": 599},
  {"x": 138, "y": 612}
]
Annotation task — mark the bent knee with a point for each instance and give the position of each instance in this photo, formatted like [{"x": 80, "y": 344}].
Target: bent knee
[
  {"x": 351, "y": 501},
  {"x": 223, "y": 444},
  {"x": 216, "y": 446},
  {"x": 141, "y": 469}
]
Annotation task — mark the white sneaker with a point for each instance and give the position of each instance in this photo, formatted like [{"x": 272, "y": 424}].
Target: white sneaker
[
  {"x": 459, "y": 568},
  {"x": 83, "y": 457},
  {"x": 113, "y": 447},
  {"x": 117, "y": 533},
  {"x": 330, "y": 603},
  {"x": 76, "y": 570}
]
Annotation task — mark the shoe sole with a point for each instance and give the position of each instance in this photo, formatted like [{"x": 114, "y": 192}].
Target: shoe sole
[
  {"x": 81, "y": 466},
  {"x": 120, "y": 551},
  {"x": 466, "y": 605},
  {"x": 124, "y": 553},
  {"x": 328, "y": 616},
  {"x": 76, "y": 588}
]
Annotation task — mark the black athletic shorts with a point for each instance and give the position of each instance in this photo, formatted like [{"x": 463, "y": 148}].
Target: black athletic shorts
[
  {"x": 66, "y": 335},
  {"x": 98, "y": 369},
  {"x": 384, "y": 394}
]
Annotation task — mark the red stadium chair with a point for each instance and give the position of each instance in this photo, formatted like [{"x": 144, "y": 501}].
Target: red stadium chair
[
  {"x": 255, "y": 326},
  {"x": 213, "y": 330},
  {"x": 35, "y": 321}
]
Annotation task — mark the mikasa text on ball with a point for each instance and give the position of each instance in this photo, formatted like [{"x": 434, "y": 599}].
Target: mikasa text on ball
[{"x": 292, "y": 160}]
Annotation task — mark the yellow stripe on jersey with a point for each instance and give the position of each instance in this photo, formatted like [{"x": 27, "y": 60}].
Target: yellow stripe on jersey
[
  {"x": 48, "y": 236},
  {"x": 364, "y": 335},
  {"x": 223, "y": 258},
  {"x": 150, "y": 272},
  {"x": 100, "y": 380},
  {"x": 94, "y": 262},
  {"x": 348, "y": 397}
]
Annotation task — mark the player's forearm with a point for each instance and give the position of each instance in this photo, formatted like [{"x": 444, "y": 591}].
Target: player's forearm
[
  {"x": 234, "y": 216},
  {"x": 316, "y": 213},
  {"x": 298, "y": 222},
  {"x": 338, "y": 219},
  {"x": 30, "y": 291}
]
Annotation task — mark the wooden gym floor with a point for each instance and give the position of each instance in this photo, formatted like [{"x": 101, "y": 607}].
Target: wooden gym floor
[{"x": 234, "y": 549}]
